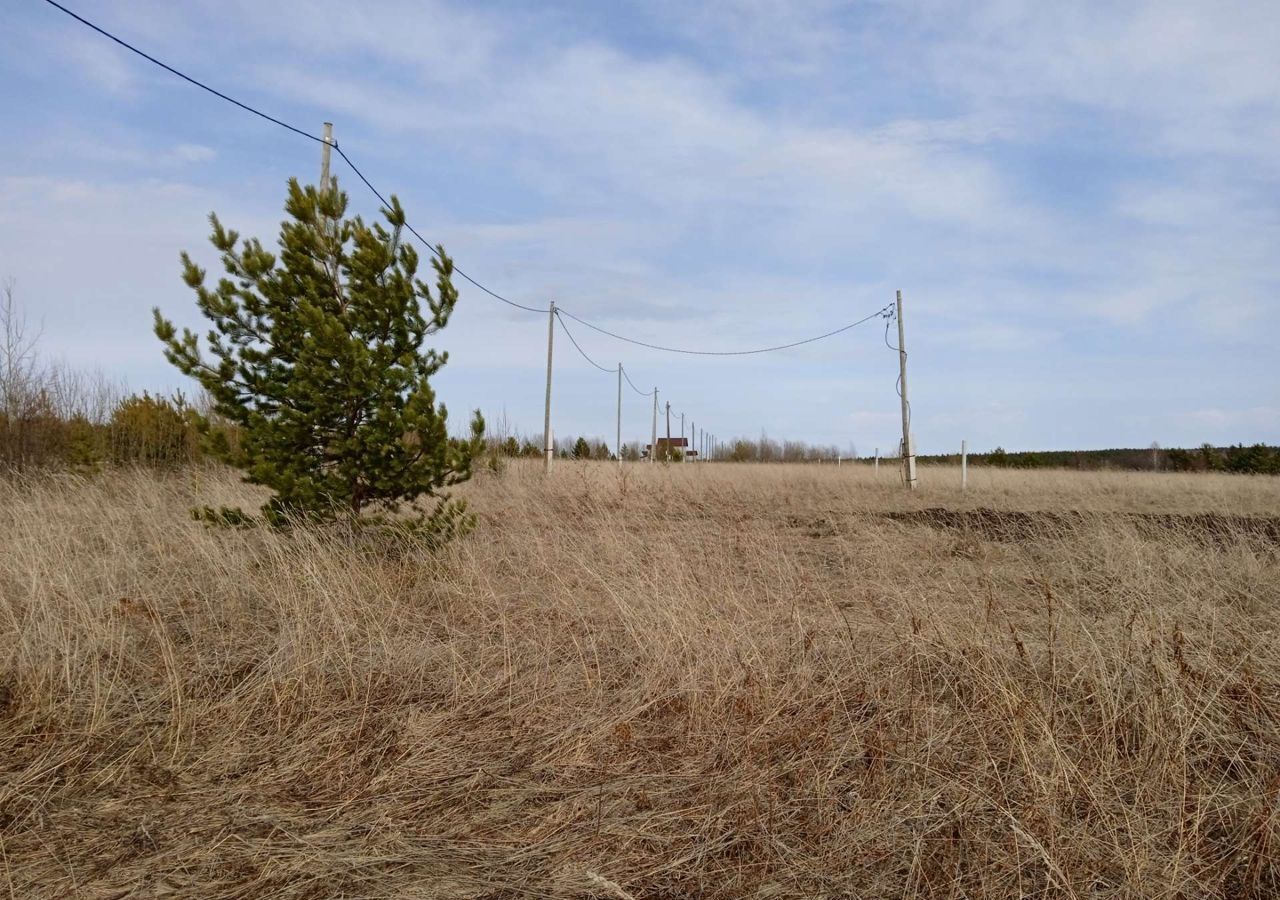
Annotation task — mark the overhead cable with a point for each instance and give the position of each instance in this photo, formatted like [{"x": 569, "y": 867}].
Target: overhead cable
[
  {"x": 582, "y": 352},
  {"x": 633, "y": 385},
  {"x": 296, "y": 130},
  {"x": 434, "y": 248},
  {"x": 692, "y": 352}
]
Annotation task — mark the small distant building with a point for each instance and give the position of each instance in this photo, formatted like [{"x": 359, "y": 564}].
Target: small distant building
[{"x": 675, "y": 443}]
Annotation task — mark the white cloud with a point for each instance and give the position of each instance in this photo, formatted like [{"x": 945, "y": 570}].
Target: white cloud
[
  {"x": 748, "y": 169},
  {"x": 193, "y": 153},
  {"x": 102, "y": 64},
  {"x": 1185, "y": 76}
]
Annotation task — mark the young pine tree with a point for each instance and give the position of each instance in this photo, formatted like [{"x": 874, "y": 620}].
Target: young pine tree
[{"x": 316, "y": 353}]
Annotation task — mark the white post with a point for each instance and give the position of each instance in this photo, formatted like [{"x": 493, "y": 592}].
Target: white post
[
  {"x": 964, "y": 465},
  {"x": 877, "y": 466},
  {"x": 668, "y": 427},
  {"x": 324, "y": 157},
  {"x": 653, "y": 441},
  {"x": 548, "y": 444},
  {"x": 618, "y": 442},
  {"x": 325, "y": 149},
  {"x": 908, "y": 449}
]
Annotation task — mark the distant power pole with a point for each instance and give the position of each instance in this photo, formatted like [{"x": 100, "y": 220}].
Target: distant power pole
[
  {"x": 682, "y": 459},
  {"x": 653, "y": 441},
  {"x": 548, "y": 447},
  {"x": 618, "y": 442},
  {"x": 668, "y": 426},
  {"x": 908, "y": 451},
  {"x": 324, "y": 156}
]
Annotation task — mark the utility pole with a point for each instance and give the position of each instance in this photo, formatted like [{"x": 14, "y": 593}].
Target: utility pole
[
  {"x": 618, "y": 442},
  {"x": 684, "y": 458},
  {"x": 908, "y": 451},
  {"x": 328, "y": 225},
  {"x": 653, "y": 441},
  {"x": 668, "y": 427},
  {"x": 548, "y": 446},
  {"x": 324, "y": 157},
  {"x": 877, "y": 465}
]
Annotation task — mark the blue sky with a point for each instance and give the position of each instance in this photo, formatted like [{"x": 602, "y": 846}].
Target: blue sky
[{"x": 1080, "y": 202}]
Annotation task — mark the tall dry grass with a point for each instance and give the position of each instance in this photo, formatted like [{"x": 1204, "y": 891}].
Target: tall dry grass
[{"x": 699, "y": 681}]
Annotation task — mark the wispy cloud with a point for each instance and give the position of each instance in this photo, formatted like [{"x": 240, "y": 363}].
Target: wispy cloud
[{"x": 1053, "y": 185}]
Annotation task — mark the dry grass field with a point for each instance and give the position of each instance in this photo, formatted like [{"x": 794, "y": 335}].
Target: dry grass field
[{"x": 701, "y": 681}]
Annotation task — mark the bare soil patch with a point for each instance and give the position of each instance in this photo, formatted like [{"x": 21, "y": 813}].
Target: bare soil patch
[{"x": 1013, "y": 525}]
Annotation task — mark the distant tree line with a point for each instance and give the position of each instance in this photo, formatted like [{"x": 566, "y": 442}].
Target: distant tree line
[
  {"x": 513, "y": 447},
  {"x": 51, "y": 415},
  {"x": 1256, "y": 458}
]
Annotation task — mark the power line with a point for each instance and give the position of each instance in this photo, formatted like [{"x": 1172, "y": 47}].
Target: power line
[
  {"x": 200, "y": 84},
  {"x": 897, "y": 384},
  {"x": 435, "y": 251},
  {"x": 578, "y": 347},
  {"x": 691, "y": 352},
  {"x": 633, "y": 386},
  {"x": 888, "y": 320},
  {"x": 433, "y": 248}
]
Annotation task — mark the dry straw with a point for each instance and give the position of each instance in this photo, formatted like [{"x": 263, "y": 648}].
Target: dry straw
[{"x": 704, "y": 681}]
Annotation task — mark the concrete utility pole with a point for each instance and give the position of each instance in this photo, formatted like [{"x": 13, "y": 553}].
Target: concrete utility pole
[
  {"x": 908, "y": 451},
  {"x": 653, "y": 441},
  {"x": 324, "y": 157},
  {"x": 618, "y": 442},
  {"x": 668, "y": 427},
  {"x": 548, "y": 445}
]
